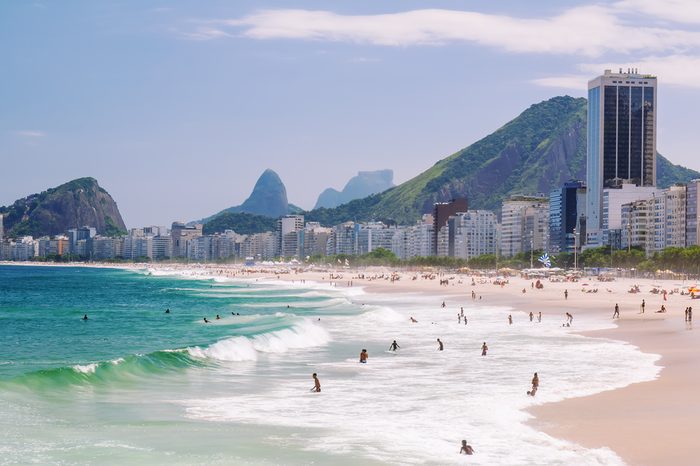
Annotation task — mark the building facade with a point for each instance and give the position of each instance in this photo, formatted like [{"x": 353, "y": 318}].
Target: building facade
[{"x": 621, "y": 138}]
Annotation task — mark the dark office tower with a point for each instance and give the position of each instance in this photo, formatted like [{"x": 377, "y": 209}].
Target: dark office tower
[
  {"x": 566, "y": 208},
  {"x": 621, "y": 136},
  {"x": 441, "y": 213}
]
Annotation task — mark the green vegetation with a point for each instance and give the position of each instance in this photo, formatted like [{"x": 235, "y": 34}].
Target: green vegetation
[
  {"x": 51, "y": 212},
  {"x": 112, "y": 229},
  {"x": 242, "y": 223}
]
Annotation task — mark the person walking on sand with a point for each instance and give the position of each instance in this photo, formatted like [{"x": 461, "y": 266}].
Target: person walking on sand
[
  {"x": 644, "y": 304},
  {"x": 566, "y": 294},
  {"x": 531, "y": 316},
  {"x": 510, "y": 319},
  {"x": 466, "y": 449},
  {"x": 440, "y": 346},
  {"x": 484, "y": 349},
  {"x": 394, "y": 346},
  {"x": 364, "y": 356},
  {"x": 690, "y": 314},
  {"x": 616, "y": 314},
  {"x": 317, "y": 383}
]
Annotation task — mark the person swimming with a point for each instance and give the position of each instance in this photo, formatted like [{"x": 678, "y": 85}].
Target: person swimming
[
  {"x": 466, "y": 449},
  {"x": 364, "y": 356},
  {"x": 413, "y": 320},
  {"x": 218, "y": 317},
  {"x": 85, "y": 317},
  {"x": 206, "y": 321},
  {"x": 167, "y": 311}
]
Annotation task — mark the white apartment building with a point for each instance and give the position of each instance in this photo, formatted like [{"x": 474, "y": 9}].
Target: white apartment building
[
  {"x": 472, "y": 234},
  {"x": 524, "y": 224}
]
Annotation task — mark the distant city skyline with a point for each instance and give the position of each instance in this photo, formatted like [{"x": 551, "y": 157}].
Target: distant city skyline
[{"x": 177, "y": 108}]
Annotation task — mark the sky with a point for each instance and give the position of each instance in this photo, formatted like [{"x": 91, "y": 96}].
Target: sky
[{"x": 177, "y": 107}]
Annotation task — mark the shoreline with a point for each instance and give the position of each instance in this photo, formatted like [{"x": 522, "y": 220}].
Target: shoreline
[{"x": 622, "y": 419}]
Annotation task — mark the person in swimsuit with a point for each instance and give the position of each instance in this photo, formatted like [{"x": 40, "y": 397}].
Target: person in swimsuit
[
  {"x": 440, "y": 347},
  {"x": 394, "y": 346},
  {"x": 206, "y": 321},
  {"x": 317, "y": 383},
  {"x": 510, "y": 319},
  {"x": 535, "y": 385},
  {"x": 85, "y": 317},
  {"x": 364, "y": 356},
  {"x": 484, "y": 349},
  {"x": 466, "y": 449}
]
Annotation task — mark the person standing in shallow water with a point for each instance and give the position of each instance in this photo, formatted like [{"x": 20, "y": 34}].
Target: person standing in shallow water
[
  {"x": 466, "y": 449},
  {"x": 617, "y": 311},
  {"x": 531, "y": 316},
  {"x": 364, "y": 356},
  {"x": 510, "y": 319},
  {"x": 535, "y": 385},
  {"x": 394, "y": 346},
  {"x": 317, "y": 383},
  {"x": 484, "y": 349},
  {"x": 440, "y": 346}
]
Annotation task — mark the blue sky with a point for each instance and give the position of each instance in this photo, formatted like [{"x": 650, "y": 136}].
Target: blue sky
[{"x": 177, "y": 107}]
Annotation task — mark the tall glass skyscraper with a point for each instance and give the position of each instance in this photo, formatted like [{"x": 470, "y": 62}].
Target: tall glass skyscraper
[{"x": 621, "y": 137}]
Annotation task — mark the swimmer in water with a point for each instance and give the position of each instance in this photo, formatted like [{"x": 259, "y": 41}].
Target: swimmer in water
[
  {"x": 413, "y": 320},
  {"x": 85, "y": 317},
  {"x": 364, "y": 356},
  {"x": 167, "y": 311},
  {"x": 218, "y": 317},
  {"x": 466, "y": 449},
  {"x": 206, "y": 321},
  {"x": 394, "y": 346}
]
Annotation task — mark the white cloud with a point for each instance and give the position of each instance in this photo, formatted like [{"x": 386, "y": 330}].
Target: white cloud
[
  {"x": 587, "y": 30},
  {"x": 570, "y": 81},
  {"x": 680, "y": 11},
  {"x": 31, "y": 134}
]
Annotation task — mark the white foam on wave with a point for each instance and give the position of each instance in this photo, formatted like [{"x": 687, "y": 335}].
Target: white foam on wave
[
  {"x": 304, "y": 334},
  {"x": 85, "y": 368},
  {"x": 413, "y": 407}
]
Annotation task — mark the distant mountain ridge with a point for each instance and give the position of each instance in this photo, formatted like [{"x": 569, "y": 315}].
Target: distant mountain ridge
[
  {"x": 533, "y": 153},
  {"x": 362, "y": 185},
  {"x": 74, "y": 204}
]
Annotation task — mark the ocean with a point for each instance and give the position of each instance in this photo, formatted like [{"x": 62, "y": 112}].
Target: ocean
[{"x": 135, "y": 385}]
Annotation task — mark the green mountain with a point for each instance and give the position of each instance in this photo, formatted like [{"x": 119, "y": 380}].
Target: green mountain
[
  {"x": 242, "y": 223},
  {"x": 74, "y": 204},
  {"x": 534, "y": 153},
  {"x": 359, "y": 186}
]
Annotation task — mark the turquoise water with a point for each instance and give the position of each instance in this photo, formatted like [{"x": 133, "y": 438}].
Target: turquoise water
[
  {"x": 134, "y": 385},
  {"x": 108, "y": 389}
]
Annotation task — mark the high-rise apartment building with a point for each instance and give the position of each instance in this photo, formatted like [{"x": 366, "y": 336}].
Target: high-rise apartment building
[{"x": 621, "y": 138}]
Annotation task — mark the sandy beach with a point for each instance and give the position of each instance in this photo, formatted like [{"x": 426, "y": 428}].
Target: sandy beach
[{"x": 648, "y": 423}]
